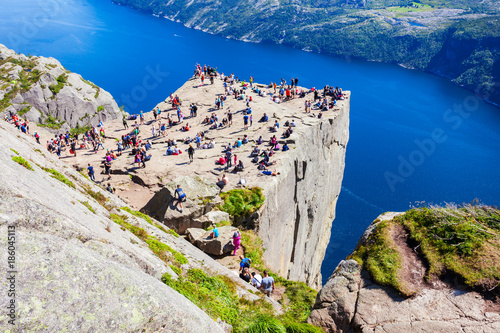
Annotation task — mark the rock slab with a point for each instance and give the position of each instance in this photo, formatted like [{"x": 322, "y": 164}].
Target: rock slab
[{"x": 216, "y": 246}]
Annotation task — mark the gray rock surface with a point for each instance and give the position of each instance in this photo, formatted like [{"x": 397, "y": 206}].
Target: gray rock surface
[
  {"x": 216, "y": 246},
  {"x": 296, "y": 219},
  {"x": 78, "y": 102},
  {"x": 200, "y": 195},
  {"x": 351, "y": 302},
  {"x": 77, "y": 270}
]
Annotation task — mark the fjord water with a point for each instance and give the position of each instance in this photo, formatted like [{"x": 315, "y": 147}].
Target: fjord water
[{"x": 414, "y": 137}]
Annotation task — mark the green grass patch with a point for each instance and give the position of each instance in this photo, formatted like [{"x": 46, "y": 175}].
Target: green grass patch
[
  {"x": 61, "y": 81},
  {"x": 176, "y": 269},
  {"x": 80, "y": 129},
  {"x": 219, "y": 224},
  {"x": 15, "y": 151},
  {"x": 51, "y": 122},
  {"x": 162, "y": 250},
  {"x": 383, "y": 260},
  {"x": 464, "y": 241},
  {"x": 253, "y": 248},
  {"x": 241, "y": 202},
  {"x": 138, "y": 214},
  {"x": 100, "y": 108},
  {"x": 97, "y": 196},
  {"x": 23, "y": 111},
  {"x": 86, "y": 204},
  {"x": 59, "y": 176},
  {"x": 170, "y": 231},
  {"x": 23, "y": 162},
  {"x": 412, "y": 8},
  {"x": 216, "y": 295},
  {"x": 301, "y": 297}
]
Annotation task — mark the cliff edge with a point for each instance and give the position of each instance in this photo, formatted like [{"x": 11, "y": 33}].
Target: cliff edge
[{"x": 427, "y": 270}]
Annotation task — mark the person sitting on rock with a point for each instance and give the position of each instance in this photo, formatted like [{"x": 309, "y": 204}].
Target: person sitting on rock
[
  {"x": 222, "y": 182},
  {"x": 255, "y": 152},
  {"x": 185, "y": 128},
  {"x": 245, "y": 275},
  {"x": 176, "y": 151},
  {"x": 221, "y": 161},
  {"x": 215, "y": 232},
  {"x": 110, "y": 189},
  {"x": 239, "y": 167},
  {"x": 285, "y": 147},
  {"x": 264, "y": 118}
]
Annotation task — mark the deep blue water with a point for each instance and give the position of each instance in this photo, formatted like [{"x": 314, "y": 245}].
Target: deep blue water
[{"x": 145, "y": 58}]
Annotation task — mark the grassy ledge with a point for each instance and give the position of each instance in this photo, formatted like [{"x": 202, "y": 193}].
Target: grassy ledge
[
  {"x": 138, "y": 214},
  {"x": 22, "y": 162},
  {"x": 463, "y": 241},
  {"x": 59, "y": 176},
  {"x": 241, "y": 202},
  {"x": 163, "y": 251},
  {"x": 216, "y": 295}
]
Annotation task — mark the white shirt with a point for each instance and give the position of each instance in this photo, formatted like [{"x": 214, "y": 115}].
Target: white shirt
[{"x": 257, "y": 280}]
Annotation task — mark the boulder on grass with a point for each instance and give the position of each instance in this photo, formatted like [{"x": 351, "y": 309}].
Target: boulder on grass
[{"x": 215, "y": 246}]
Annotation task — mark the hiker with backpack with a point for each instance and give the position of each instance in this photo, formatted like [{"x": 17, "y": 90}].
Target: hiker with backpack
[
  {"x": 245, "y": 262},
  {"x": 236, "y": 241}
]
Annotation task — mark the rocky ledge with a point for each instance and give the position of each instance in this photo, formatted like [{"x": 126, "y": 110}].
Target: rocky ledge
[
  {"x": 41, "y": 90},
  {"x": 353, "y": 301},
  {"x": 295, "y": 220}
]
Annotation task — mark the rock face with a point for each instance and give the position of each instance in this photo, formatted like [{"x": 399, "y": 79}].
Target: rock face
[
  {"x": 43, "y": 91},
  {"x": 351, "y": 302},
  {"x": 77, "y": 270},
  {"x": 200, "y": 194},
  {"x": 297, "y": 216},
  {"x": 216, "y": 246}
]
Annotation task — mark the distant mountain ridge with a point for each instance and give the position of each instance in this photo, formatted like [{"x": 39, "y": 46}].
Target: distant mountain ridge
[{"x": 459, "y": 40}]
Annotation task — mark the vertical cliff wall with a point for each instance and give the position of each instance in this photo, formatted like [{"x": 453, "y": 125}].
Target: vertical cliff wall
[{"x": 296, "y": 220}]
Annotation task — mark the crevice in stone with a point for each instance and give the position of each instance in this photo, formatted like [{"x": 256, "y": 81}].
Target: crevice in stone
[
  {"x": 351, "y": 322},
  {"x": 295, "y": 232},
  {"x": 339, "y": 144}
]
